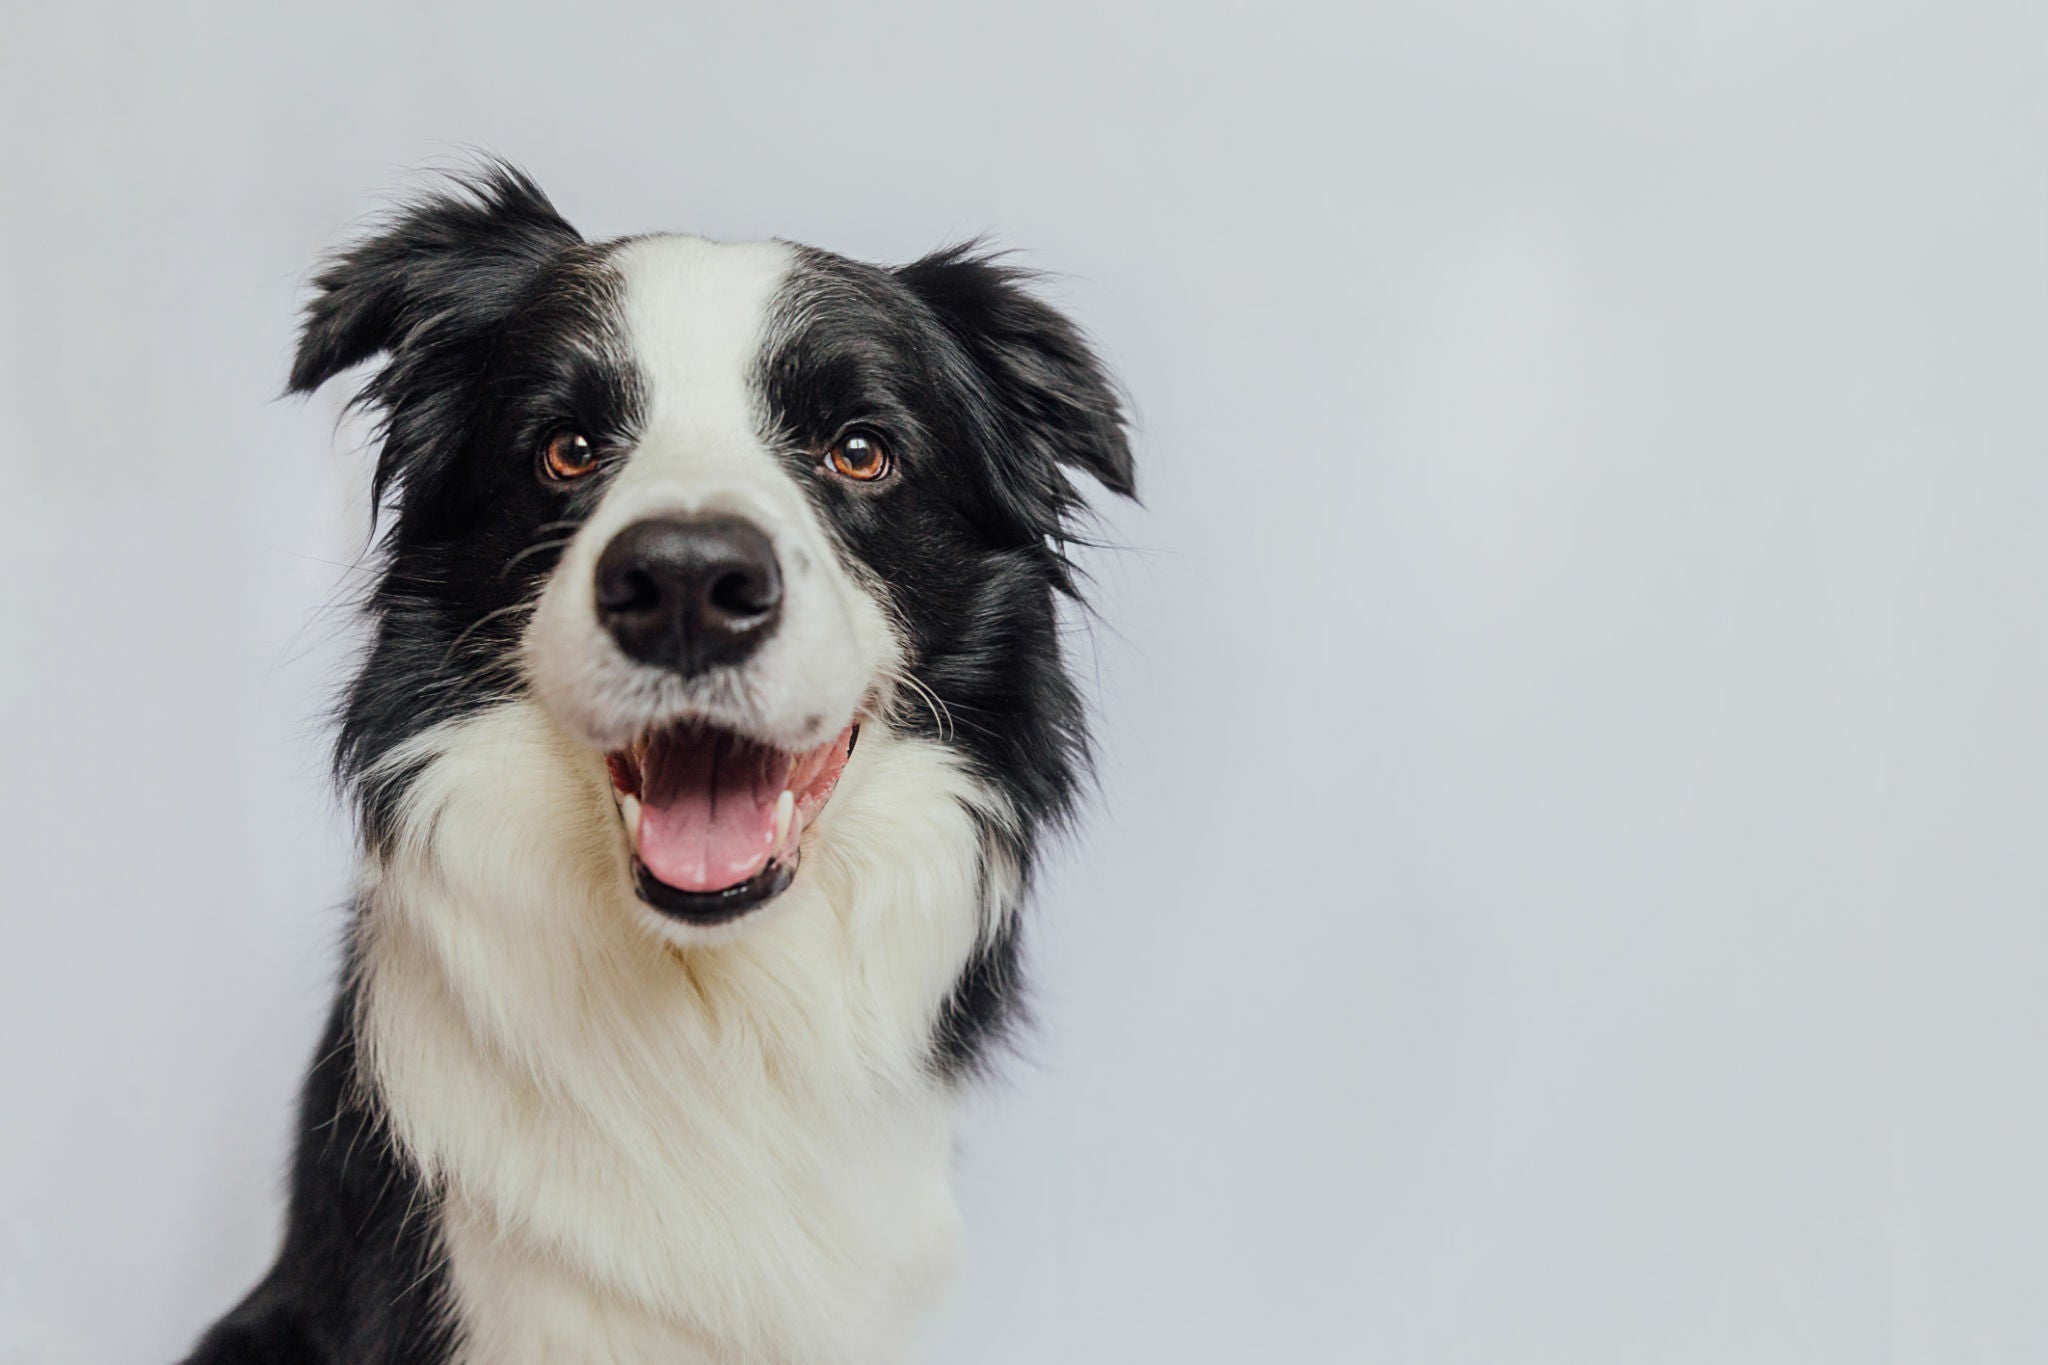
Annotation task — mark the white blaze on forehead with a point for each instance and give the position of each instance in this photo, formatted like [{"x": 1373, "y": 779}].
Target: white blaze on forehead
[{"x": 697, "y": 316}]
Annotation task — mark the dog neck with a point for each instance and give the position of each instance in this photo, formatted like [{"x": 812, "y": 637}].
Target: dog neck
[{"x": 724, "y": 1150}]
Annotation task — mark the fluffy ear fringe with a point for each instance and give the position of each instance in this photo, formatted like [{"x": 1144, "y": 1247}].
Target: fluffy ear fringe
[
  {"x": 460, "y": 253},
  {"x": 1039, "y": 367},
  {"x": 430, "y": 291}
]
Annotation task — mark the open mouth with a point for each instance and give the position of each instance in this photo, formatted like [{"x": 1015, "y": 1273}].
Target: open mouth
[{"x": 716, "y": 819}]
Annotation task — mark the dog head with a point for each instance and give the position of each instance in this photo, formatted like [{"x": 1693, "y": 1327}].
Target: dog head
[{"x": 719, "y": 509}]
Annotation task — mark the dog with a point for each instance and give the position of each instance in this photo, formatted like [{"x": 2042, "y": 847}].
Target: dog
[{"x": 711, "y": 719}]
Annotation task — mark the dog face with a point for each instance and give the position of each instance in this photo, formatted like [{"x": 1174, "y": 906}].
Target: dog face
[{"x": 718, "y": 509}]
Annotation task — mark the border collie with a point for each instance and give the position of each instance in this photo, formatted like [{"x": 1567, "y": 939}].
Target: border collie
[{"x": 712, "y": 715}]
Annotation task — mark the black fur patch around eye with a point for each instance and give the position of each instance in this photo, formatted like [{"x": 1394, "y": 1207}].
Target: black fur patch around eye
[
  {"x": 991, "y": 402},
  {"x": 495, "y": 323}
]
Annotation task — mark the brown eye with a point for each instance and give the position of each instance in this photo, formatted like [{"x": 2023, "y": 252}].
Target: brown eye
[
  {"x": 860, "y": 456},
  {"x": 567, "y": 455}
]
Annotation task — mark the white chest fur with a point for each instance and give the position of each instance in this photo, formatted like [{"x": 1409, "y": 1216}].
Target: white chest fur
[{"x": 726, "y": 1152}]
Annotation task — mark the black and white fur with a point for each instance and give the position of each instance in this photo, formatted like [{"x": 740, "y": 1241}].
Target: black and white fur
[{"x": 548, "y": 1122}]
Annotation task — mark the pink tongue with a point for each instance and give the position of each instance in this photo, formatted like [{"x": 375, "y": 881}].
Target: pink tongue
[{"x": 707, "y": 809}]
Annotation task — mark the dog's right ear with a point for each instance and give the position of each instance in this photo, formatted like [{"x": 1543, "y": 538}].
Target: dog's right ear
[{"x": 447, "y": 268}]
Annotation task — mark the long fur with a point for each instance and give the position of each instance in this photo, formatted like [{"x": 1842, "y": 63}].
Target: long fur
[{"x": 545, "y": 1124}]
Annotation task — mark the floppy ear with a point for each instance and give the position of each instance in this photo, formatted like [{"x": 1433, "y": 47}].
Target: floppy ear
[
  {"x": 1054, "y": 391},
  {"x": 430, "y": 291},
  {"x": 456, "y": 260}
]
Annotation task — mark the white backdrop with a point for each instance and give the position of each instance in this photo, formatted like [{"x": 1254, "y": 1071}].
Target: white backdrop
[{"x": 1569, "y": 882}]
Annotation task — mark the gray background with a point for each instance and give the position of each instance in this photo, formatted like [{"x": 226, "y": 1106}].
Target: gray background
[{"x": 1568, "y": 885}]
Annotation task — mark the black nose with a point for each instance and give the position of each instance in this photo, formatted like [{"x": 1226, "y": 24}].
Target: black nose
[{"x": 689, "y": 595}]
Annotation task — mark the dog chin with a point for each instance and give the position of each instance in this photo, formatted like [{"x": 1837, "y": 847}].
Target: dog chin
[{"x": 688, "y": 936}]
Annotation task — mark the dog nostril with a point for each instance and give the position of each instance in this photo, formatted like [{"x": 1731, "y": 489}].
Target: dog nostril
[
  {"x": 628, "y": 590},
  {"x": 742, "y": 594}
]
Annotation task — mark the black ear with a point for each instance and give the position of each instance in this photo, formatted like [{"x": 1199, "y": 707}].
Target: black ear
[
  {"x": 1054, "y": 390},
  {"x": 450, "y": 265}
]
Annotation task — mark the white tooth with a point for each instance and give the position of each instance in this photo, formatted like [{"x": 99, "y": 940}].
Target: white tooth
[
  {"x": 785, "y": 811},
  {"x": 629, "y": 807}
]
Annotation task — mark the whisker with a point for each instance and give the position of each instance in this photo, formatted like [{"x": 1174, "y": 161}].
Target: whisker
[
  {"x": 541, "y": 548},
  {"x": 474, "y": 626},
  {"x": 942, "y": 715}
]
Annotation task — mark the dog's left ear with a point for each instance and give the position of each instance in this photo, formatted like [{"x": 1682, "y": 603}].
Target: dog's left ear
[{"x": 1053, "y": 390}]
